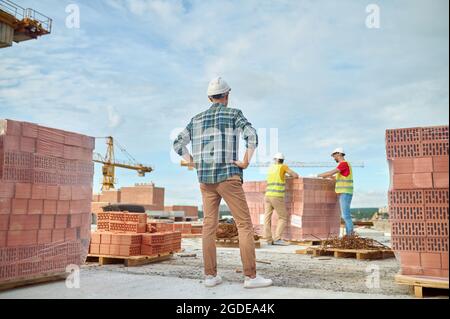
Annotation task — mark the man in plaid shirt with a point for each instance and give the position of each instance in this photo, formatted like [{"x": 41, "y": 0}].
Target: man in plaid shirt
[{"x": 214, "y": 137}]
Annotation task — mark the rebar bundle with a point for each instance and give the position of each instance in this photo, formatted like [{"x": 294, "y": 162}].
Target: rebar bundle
[{"x": 353, "y": 242}]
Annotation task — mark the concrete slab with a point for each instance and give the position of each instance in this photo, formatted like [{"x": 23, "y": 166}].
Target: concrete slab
[{"x": 104, "y": 284}]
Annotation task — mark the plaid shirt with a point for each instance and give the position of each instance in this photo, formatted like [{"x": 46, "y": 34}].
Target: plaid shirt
[{"x": 215, "y": 142}]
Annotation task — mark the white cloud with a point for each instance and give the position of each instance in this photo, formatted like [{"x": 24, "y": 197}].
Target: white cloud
[{"x": 139, "y": 68}]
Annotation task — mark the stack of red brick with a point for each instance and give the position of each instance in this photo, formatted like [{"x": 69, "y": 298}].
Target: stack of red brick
[
  {"x": 129, "y": 234},
  {"x": 185, "y": 228},
  {"x": 45, "y": 199},
  {"x": 418, "y": 198},
  {"x": 312, "y": 205}
]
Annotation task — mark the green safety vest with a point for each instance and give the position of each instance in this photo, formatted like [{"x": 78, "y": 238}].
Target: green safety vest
[
  {"x": 344, "y": 184},
  {"x": 276, "y": 186}
]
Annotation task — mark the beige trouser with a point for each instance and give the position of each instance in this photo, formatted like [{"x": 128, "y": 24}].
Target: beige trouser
[
  {"x": 278, "y": 204},
  {"x": 233, "y": 194}
]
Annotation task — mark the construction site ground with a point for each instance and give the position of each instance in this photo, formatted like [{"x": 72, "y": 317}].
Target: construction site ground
[{"x": 294, "y": 276}]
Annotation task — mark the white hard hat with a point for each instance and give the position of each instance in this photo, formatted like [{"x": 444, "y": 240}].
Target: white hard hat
[
  {"x": 338, "y": 150},
  {"x": 218, "y": 86},
  {"x": 279, "y": 156}
]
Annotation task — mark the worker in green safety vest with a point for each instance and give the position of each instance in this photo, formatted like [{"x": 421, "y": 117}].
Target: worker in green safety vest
[
  {"x": 274, "y": 199},
  {"x": 343, "y": 174}
]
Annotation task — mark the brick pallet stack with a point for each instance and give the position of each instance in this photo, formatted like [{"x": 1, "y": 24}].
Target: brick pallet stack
[
  {"x": 45, "y": 197},
  {"x": 312, "y": 205},
  {"x": 123, "y": 234},
  {"x": 418, "y": 198}
]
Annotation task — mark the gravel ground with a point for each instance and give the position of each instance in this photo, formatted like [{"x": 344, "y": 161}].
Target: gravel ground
[{"x": 286, "y": 268}]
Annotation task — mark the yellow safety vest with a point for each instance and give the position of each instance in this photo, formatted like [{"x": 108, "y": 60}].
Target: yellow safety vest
[
  {"x": 276, "y": 185},
  {"x": 344, "y": 184}
]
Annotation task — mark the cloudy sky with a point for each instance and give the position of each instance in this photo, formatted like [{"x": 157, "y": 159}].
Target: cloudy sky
[{"x": 313, "y": 70}]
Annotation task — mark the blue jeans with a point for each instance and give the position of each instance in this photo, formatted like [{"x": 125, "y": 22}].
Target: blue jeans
[{"x": 345, "y": 201}]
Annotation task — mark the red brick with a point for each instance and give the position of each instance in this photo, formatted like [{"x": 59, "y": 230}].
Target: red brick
[
  {"x": 49, "y": 148},
  {"x": 23, "y": 191},
  {"x": 10, "y": 143},
  {"x": 35, "y": 206},
  {"x": 5, "y": 206},
  {"x": 412, "y": 181},
  {"x": 22, "y": 238},
  {"x": 433, "y": 272},
  {"x": 47, "y": 222},
  {"x": 19, "y": 206},
  {"x": 441, "y": 164},
  {"x": 435, "y": 148},
  {"x": 3, "y": 235},
  {"x": 444, "y": 260},
  {"x": 63, "y": 207},
  {"x": 126, "y": 239},
  {"x": 28, "y": 144},
  {"x": 50, "y": 207},
  {"x": 129, "y": 250},
  {"x": 95, "y": 238},
  {"x": 58, "y": 235},
  {"x": 29, "y": 130},
  {"x": 430, "y": 260},
  {"x": 38, "y": 191},
  {"x": 24, "y": 222},
  {"x": 61, "y": 221},
  {"x": 44, "y": 236},
  {"x": 65, "y": 192},
  {"x": 86, "y": 219},
  {"x": 95, "y": 248},
  {"x": 75, "y": 221},
  {"x": 105, "y": 239},
  {"x": 76, "y": 206},
  {"x": 440, "y": 180},
  {"x": 4, "y": 222},
  {"x": 52, "y": 192},
  {"x": 104, "y": 249},
  {"x": 70, "y": 234},
  {"x": 114, "y": 250},
  {"x": 410, "y": 259},
  {"x": 6, "y": 190}
]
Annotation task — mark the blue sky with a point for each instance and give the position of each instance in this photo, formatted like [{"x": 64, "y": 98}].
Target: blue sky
[{"x": 138, "y": 70}]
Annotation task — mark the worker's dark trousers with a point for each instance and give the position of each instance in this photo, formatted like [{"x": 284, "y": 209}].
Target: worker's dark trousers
[{"x": 233, "y": 194}]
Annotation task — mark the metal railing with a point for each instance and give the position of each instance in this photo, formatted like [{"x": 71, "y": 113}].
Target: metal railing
[{"x": 21, "y": 13}]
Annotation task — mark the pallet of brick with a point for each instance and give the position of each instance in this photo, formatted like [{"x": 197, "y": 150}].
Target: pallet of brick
[
  {"x": 419, "y": 199},
  {"x": 128, "y": 238},
  {"x": 312, "y": 206},
  {"x": 45, "y": 196}
]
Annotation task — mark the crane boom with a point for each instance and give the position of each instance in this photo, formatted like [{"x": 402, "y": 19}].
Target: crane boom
[{"x": 109, "y": 164}]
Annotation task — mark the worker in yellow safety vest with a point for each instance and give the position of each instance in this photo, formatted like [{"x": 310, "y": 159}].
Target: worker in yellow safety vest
[
  {"x": 343, "y": 174},
  {"x": 274, "y": 199}
]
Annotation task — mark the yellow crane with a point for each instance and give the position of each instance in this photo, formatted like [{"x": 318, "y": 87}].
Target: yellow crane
[
  {"x": 18, "y": 24},
  {"x": 110, "y": 163}
]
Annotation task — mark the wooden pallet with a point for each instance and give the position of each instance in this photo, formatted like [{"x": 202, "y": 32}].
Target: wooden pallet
[
  {"x": 132, "y": 261},
  {"x": 359, "y": 254},
  {"x": 233, "y": 243},
  {"x": 32, "y": 280},
  {"x": 317, "y": 242},
  {"x": 419, "y": 283}
]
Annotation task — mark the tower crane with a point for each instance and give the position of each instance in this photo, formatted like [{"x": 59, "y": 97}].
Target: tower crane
[
  {"x": 18, "y": 24},
  {"x": 110, "y": 163}
]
